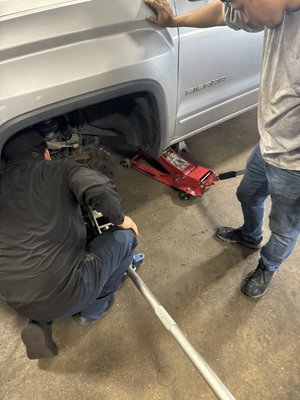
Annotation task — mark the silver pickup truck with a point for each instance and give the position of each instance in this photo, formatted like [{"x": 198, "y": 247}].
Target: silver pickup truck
[{"x": 67, "y": 64}]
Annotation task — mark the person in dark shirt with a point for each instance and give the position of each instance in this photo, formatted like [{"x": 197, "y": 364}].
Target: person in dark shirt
[{"x": 47, "y": 270}]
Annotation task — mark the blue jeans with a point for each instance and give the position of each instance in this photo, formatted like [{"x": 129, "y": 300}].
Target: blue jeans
[
  {"x": 283, "y": 186},
  {"x": 107, "y": 259}
]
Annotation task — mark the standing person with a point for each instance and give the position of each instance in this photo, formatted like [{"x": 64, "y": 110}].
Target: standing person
[
  {"x": 273, "y": 168},
  {"x": 47, "y": 271}
]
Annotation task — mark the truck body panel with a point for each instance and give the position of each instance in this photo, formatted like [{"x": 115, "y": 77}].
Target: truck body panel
[{"x": 58, "y": 56}]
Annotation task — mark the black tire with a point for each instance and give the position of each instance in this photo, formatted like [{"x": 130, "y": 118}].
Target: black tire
[
  {"x": 126, "y": 163},
  {"x": 184, "y": 196}
]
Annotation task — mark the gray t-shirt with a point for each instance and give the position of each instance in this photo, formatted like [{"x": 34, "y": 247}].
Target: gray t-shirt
[{"x": 279, "y": 100}]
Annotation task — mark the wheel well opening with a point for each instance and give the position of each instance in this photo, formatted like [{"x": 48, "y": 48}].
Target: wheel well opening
[{"x": 132, "y": 119}]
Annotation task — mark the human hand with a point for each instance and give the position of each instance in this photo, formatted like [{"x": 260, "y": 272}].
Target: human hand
[
  {"x": 164, "y": 14},
  {"x": 128, "y": 223}
]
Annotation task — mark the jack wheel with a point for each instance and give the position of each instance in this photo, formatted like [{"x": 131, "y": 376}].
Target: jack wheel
[
  {"x": 126, "y": 163},
  {"x": 184, "y": 196}
]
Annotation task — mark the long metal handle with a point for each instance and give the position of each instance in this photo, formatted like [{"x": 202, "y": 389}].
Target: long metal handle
[{"x": 216, "y": 385}]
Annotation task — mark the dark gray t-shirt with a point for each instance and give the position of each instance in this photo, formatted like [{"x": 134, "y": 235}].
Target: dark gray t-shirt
[
  {"x": 42, "y": 232},
  {"x": 279, "y": 100}
]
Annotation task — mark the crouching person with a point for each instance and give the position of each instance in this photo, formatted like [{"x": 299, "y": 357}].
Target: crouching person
[{"x": 47, "y": 270}]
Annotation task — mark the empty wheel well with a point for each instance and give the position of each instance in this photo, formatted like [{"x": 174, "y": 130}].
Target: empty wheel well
[{"x": 134, "y": 116}]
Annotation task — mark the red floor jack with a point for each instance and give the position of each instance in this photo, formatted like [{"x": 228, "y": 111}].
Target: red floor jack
[{"x": 190, "y": 180}]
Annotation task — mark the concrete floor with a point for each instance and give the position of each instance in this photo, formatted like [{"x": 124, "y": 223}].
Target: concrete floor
[{"x": 253, "y": 346}]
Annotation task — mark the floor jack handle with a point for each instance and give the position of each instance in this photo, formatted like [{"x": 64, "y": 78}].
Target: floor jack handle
[
  {"x": 216, "y": 385},
  {"x": 230, "y": 174}
]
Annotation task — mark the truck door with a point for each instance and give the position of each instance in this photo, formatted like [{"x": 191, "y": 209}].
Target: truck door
[{"x": 218, "y": 73}]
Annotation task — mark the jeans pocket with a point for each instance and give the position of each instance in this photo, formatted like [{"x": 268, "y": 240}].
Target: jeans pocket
[{"x": 284, "y": 183}]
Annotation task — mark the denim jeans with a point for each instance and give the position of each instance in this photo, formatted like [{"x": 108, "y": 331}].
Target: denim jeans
[
  {"x": 107, "y": 259},
  {"x": 283, "y": 186}
]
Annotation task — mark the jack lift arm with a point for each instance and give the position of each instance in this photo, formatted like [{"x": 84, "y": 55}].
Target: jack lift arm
[{"x": 216, "y": 385}]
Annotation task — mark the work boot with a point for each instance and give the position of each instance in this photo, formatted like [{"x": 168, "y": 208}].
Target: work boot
[
  {"x": 86, "y": 322},
  {"x": 257, "y": 281},
  {"x": 232, "y": 235},
  {"x": 37, "y": 337}
]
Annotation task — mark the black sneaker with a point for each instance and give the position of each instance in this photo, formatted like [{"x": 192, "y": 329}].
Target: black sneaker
[
  {"x": 257, "y": 281},
  {"x": 233, "y": 235},
  {"x": 80, "y": 320},
  {"x": 38, "y": 341}
]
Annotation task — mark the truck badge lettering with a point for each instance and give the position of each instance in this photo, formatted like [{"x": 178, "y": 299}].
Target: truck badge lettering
[{"x": 206, "y": 85}]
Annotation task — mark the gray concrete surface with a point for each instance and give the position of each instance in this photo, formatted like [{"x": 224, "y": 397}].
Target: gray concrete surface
[{"x": 252, "y": 345}]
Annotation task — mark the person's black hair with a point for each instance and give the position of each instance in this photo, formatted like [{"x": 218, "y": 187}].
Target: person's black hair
[{"x": 25, "y": 145}]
